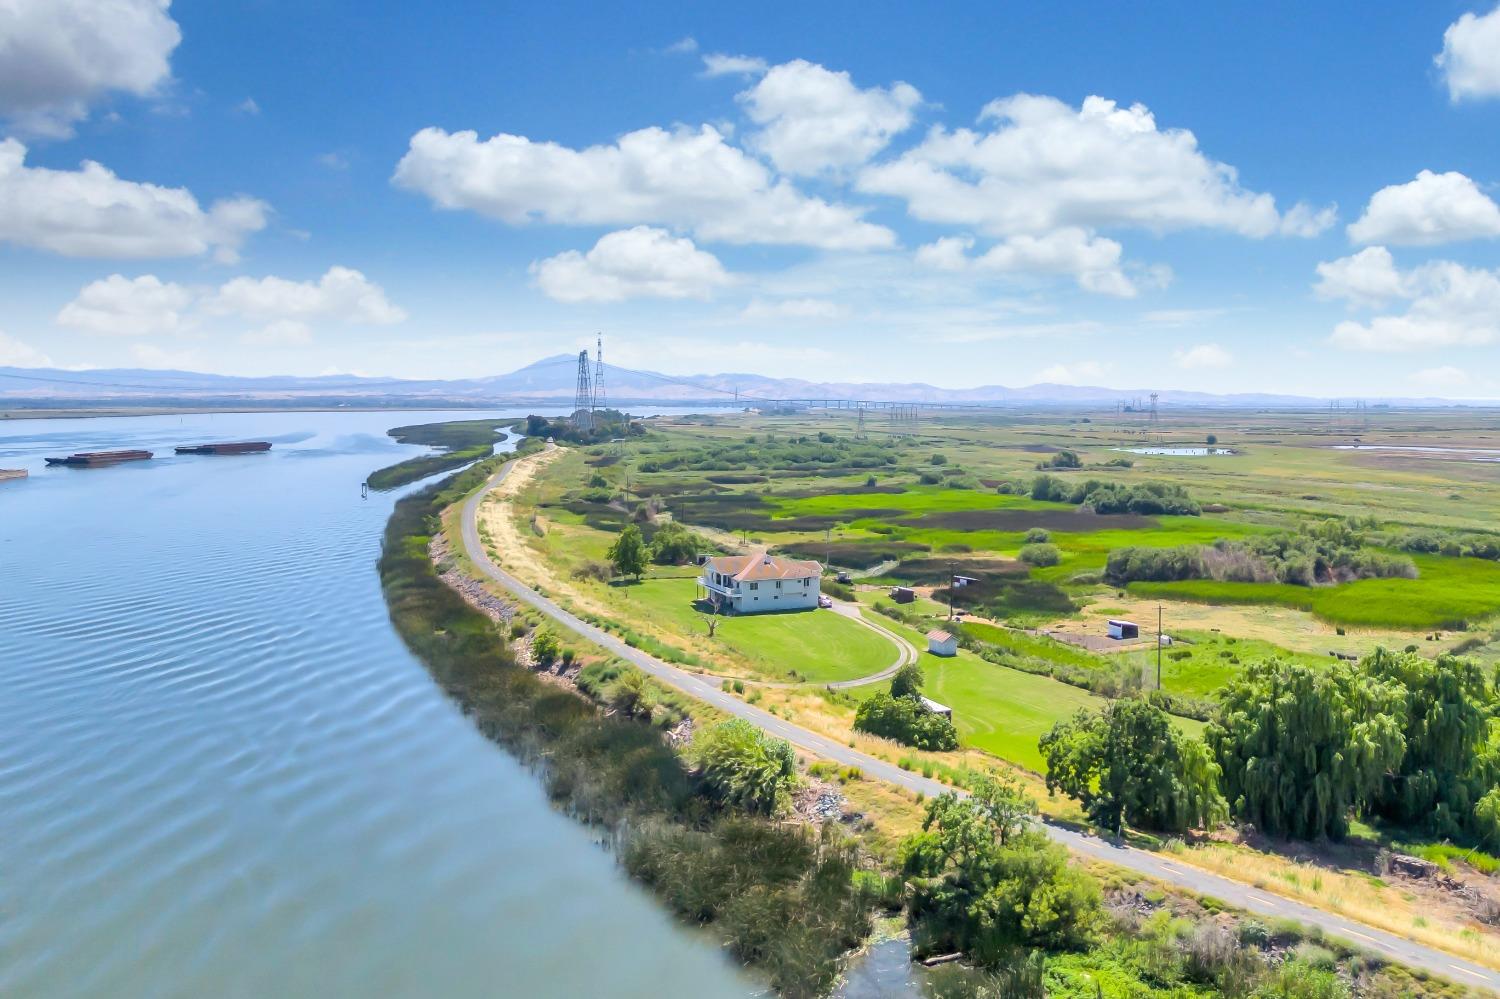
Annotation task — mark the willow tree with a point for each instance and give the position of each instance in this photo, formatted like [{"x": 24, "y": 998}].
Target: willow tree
[
  {"x": 1126, "y": 763},
  {"x": 1301, "y": 748},
  {"x": 1448, "y": 766}
]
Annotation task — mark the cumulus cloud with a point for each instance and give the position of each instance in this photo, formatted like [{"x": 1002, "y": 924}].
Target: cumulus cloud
[
  {"x": 1447, "y": 304},
  {"x": 1093, "y": 261},
  {"x": 1203, "y": 355},
  {"x": 122, "y": 306},
  {"x": 147, "y": 305},
  {"x": 685, "y": 45},
  {"x": 685, "y": 178},
  {"x": 342, "y": 294},
  {"x": 1435, "y": 208},
  {"x": 813, "y": 119},
  {"x": 1443, "y": 377},
  {"x": 58, "y": 56},
  {"x": 720, "y": 64},
  {"x": 90, "y": 212},
  {"x": 1043, "y": 165},
  {"x": 633, "y": 263},
  {"x": 1368, "y": 277},
  {"x": 1470, "y": 60},
  {"x": 15, "y": 354}
]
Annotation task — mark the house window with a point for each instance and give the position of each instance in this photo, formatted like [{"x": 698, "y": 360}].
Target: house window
[
  {"x": 754, "y": 586},
  {"x": 807, "y": 581},
  {"x": 778, "y": 584}
]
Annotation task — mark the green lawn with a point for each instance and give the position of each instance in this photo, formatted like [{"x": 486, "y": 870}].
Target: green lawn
[
  {"x": 999, "y": 710},
  {"x": 1211, "y": 660},
  {"x": 818, "y": 645}
]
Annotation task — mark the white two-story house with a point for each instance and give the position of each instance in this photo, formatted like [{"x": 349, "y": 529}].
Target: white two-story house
[{"x": 751, "y": 584}]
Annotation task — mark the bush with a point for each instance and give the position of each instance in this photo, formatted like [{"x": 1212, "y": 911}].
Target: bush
[
  {"x": 906, "y": 721},
  {"x": 1038, "y": 536},
  {"x": 545, "y": 647},
  {"x": 1040, "y": 555},
  {"x": 674, "y": 544},
  {"x": 745, "y": 768}
]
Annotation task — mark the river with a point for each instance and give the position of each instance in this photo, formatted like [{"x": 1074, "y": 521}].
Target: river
[{"x": 222, "y": 774}]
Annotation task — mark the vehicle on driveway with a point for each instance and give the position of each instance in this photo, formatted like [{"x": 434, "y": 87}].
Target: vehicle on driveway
[{"x": 824, "y": 601}]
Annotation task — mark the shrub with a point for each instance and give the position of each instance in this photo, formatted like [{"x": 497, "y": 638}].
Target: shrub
[
  {"x": 1038, "y": 535},
  {"x": 1040, "y": 555},
  {"x": 905, "y": 720},
  {"x": 744, "y": 767},
  {"x": 545, "y": 647}
]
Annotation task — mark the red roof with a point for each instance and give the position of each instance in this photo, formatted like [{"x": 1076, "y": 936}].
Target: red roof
[{"x": 749, "y": 568}]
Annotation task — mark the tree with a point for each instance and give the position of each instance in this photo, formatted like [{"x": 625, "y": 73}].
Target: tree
[
  {"x": 1300, "y": 748},
  {"x": 746, "y": 768},
  {"x": 1126, "y": 763},
  {"x": 905, "y": 720},
  {"x": 908, "y": 680},
  {"x": 1446, "y": 769},
  {"x": 628, "y": 554},
  {"x": 1002, "y": 884},
  {"x": 1212, "y": 439},
  {"x": 545, "y": 647},
  {"x": 674, "y": 544},
  {"x": 1041, "y": 554}
]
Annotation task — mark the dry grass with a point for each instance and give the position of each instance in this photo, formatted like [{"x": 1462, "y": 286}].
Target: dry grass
[{"x": 1353, "y": 894}]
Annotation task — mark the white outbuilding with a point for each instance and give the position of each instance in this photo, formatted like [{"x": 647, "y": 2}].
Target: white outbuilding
[{"x": 942, "y": 643}]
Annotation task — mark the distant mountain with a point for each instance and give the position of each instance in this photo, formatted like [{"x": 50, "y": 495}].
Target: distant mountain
[{"x": 553, "y": 380}]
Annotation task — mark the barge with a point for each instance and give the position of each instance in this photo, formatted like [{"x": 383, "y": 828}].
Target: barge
[
  {"x": 12, "y": 473},
  {"x": 91, "y": 459},
  {"x": 233, "y": 447}
]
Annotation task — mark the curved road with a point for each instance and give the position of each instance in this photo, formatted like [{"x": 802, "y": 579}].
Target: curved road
[{"x": 1371, "y": 938}]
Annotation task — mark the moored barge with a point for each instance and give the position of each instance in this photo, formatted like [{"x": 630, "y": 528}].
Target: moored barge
[
  {"x": 232, "y": 447},
  {"x": 94, "y": 458}
]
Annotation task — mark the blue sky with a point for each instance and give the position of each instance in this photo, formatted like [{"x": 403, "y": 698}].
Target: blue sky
[{"x": 1266, "y": 197}]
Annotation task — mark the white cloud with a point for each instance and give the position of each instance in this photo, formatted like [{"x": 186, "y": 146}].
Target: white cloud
[
  {"x": 685, "y": 178},
  {"x": 1444, "y": 377},
  {"x": 1072, "y": 252},
  {"x": 1203, "y": 355},
  {"x": 1369, "y": 277},
  {"x": 281, "y": 333},
  {"x": 719, "y": 64},
  {"x": 1447, "y": 305},
  {"x": 342, "y": 294},
  {"x": 633, "y": 263},
  {"x": 686, "y": 45},
  {"x": 1470, "y": 59},
  {"x": 794, "y": 308},
  {"x": 248, "y": 106},
  {"x": 1045, "y": 165},
  {"x": 58, "y": 56},
  {"x": 90, "y": 212},
  {"x": 122, "y": 306},
  {"x": 15, "y": 354},
  {"x": 1435, "y": 208},
  {"x": 813, "y": 119},
  {"x": 1304, "y": 221},
  {"x": 1079, "y": 373},
  {"x": 150, "y": 355},
  {"x": 333, "y": 161},
  {"x": 147, "y": 305},
  {"x": 1092, "y": 260},
  {"x": 947, "y": 253}
]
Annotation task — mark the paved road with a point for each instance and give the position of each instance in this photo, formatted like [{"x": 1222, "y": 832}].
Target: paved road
[{"x": 1371, "y": 938}]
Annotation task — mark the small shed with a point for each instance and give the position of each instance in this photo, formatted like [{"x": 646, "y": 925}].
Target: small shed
[
  {"x": 1124, "y": 629},
  {"x": 937, "y": 709},
  {"x": 942, "y": 643},
  {"x": 903, "y": 594}
]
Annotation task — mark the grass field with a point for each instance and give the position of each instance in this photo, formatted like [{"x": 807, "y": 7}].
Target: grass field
[{"x": 1201, "y": 661}]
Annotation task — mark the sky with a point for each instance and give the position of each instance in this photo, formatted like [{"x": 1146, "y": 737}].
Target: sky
[{"x": 1268, "y": 197}]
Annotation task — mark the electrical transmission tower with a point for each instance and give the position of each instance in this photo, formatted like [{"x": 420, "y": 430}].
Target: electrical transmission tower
[
  {"x": 599, "y": 371},
  {"x": 860, "y": 432},
  {"x": 1153, "y": 407},
  {"x": 583, "y": 398}
]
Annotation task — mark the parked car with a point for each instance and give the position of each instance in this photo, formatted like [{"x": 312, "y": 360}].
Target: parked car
[{"x": 824, "y": 600}]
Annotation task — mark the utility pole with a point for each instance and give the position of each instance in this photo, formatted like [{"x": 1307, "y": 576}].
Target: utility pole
[
  {"x": 951, "y": 582},
  {"x": 1158, "y": 646}
]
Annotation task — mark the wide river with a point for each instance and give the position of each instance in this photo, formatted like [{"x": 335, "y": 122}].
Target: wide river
[{"x": 222, "y": 774}]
